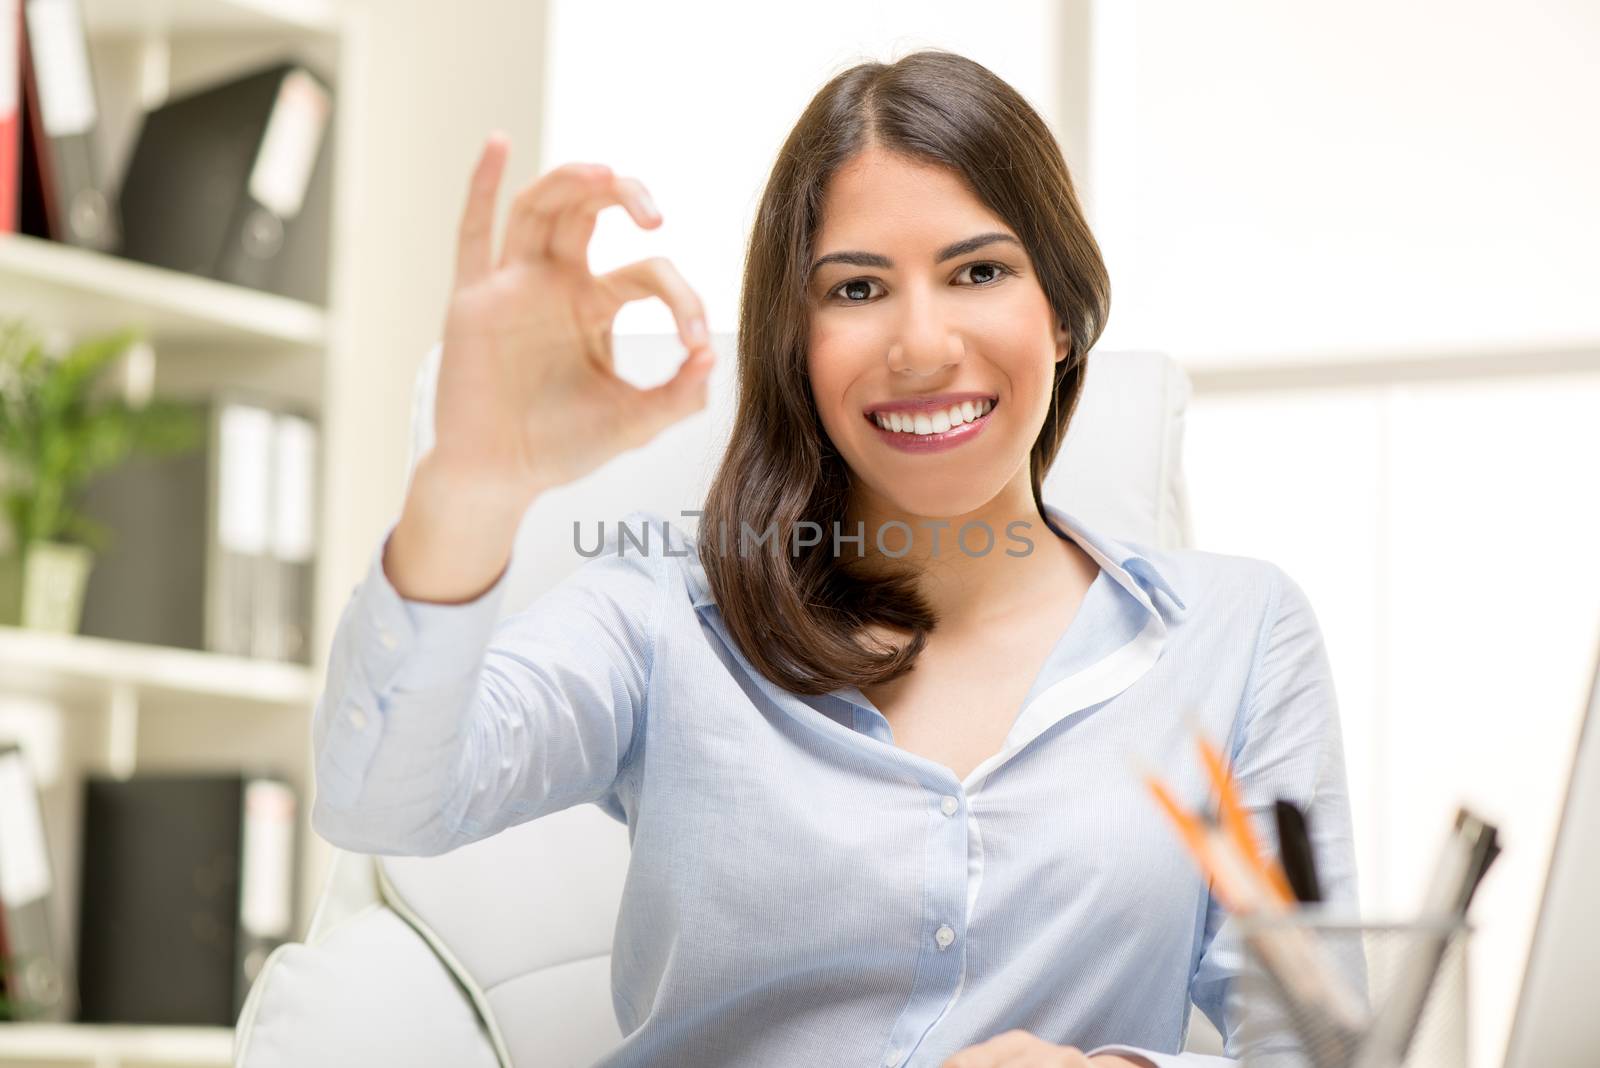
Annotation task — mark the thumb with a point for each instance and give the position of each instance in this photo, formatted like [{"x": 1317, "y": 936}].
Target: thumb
[{"x": 684, "y": 393}]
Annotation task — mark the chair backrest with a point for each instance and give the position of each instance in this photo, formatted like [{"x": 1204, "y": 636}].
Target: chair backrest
[{"x": 525, "y": 919}]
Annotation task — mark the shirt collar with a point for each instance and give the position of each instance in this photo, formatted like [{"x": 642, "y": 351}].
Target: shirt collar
[
  {"x": 1131, "y": 568},
  {"x": 1124, "y": 560}
]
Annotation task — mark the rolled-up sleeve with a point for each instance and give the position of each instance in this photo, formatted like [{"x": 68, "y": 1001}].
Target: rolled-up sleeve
[{"x": 440, "y": 724}]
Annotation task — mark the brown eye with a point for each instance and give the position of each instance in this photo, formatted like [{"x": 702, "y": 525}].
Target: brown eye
[
  {"x": 999, "y": 271},
  {"x": 855, "y": 285},
  {"x": 858, "y": 290}
]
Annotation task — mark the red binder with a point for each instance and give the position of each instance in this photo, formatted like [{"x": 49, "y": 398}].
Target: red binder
[{"x": 10, "y": 113}]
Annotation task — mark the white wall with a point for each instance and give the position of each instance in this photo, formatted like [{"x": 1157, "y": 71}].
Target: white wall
[
  {"x": 1405, "y": 186},
  {"x": 1278, "y": 181},
  {"x": 1443, "y": 535}
]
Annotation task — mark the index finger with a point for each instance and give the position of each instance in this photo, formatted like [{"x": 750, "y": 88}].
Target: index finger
[{"x": 473, "y": 247}]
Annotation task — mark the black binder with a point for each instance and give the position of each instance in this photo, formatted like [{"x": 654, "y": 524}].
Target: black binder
[
  {"x": 36, "y": 986},
  {"x": 213, "y": 549},
  {"x": 187, "y": 886},
  {"x": 232, "y": 182}
]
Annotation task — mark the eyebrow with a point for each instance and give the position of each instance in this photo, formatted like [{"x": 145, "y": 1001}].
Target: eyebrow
[{"x": 949, "y": 252}]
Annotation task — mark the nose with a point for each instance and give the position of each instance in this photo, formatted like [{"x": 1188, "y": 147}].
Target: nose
[{"x": 926, "y": 351}]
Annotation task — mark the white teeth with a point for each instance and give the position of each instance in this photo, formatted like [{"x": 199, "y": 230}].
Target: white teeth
[{"x": 935, "y": 423}]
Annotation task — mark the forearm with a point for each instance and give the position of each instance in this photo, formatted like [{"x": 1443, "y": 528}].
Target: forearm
[
  {"x": 454, "y": 537},
  {"x": 393, "y": 723}
]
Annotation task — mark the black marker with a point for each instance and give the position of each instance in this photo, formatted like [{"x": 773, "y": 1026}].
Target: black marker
[{"x": 1294, "y": 847}]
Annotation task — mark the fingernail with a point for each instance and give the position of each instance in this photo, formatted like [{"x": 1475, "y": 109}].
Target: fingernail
[
  {"x": 697, "y": 332},
  {"x": 648, "y": 205}
]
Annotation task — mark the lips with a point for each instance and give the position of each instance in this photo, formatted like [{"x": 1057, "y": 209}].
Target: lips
[
  {"x": 931, "y": 421},
  {"x": 932, "y": 403},
  {"x": 954, "y": 436}
]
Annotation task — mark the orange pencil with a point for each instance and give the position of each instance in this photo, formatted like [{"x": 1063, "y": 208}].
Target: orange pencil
[
  {"x": 1237, "y": 821},
  {"x": 1225, "y": 851},
  {"x": 1235, "y": 879}
]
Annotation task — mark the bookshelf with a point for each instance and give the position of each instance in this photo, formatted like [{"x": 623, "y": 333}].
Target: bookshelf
[
  {"x": 69, "y": 666},
  {"x": 251, "y": 17},
  {"x": 98, "y": 1044},
  {"x": 85, "y": 705},
  {"x": 60, "y": 284}
]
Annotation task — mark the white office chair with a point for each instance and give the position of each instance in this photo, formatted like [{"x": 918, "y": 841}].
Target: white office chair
[{"x": 498, "y": 953}]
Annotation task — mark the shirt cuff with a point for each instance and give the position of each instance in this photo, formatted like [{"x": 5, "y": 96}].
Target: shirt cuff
[
  {"x": 1167, "y": 1060},
  {"x": 419, "y": 645}
]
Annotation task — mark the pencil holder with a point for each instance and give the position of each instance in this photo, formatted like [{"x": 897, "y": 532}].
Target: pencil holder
[{"x": 1317, "y": 990}]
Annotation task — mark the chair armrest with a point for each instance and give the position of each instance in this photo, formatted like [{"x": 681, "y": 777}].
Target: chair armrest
[{"x": 371, "y": 991}]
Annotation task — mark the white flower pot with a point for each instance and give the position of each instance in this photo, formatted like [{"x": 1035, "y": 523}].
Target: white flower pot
[{"x": 43, "y": 588}]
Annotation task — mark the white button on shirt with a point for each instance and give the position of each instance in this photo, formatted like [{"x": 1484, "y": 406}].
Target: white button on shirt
[{"x": 784, "y": 872}]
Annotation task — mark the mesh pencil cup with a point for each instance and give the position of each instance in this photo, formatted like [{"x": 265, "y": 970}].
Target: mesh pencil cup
[{"x": 1323, "y": 990}]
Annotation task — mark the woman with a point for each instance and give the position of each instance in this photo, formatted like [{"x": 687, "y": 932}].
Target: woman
[{"x": 881, "y": 782}]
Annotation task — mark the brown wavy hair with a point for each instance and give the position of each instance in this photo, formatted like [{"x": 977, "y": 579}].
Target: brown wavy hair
[{"x": 799, "y": 616}]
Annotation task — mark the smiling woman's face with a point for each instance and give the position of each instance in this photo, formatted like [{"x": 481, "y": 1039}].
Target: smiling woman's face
[{"x": 915, "y": 326}]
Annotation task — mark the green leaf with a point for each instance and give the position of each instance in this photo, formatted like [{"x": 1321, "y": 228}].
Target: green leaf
[
  {"x": 77, "y": 370},
  {"x": 56, "y": 433}
]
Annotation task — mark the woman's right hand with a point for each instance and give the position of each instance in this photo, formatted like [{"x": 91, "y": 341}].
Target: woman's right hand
[{"x": 528, "y": 397}]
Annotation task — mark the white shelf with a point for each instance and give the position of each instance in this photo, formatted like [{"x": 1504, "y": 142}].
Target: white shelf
[
  {"x": 50, "y": 282},
  {"x": 162, "y": 17},
  {"x": 85, "y": 706},
  {"x": 110, "y": 1043},
  {"x": 73, "y": 668}
]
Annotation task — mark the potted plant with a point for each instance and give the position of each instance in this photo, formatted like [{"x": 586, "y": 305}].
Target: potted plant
[{"x": 58, "y": 428}]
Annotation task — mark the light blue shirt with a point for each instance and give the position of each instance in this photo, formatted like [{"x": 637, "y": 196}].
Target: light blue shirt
[{"x": 800, "y": 890}]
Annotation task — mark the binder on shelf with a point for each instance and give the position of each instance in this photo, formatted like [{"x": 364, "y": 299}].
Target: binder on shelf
[
  {"x": 188, "y": 884},
  {"x": 6, "y": 1011},
  {"x": 10, "y": 118},
  {"x": 65, "y": 192},
  {"x": 266, "y": 878},
  {"x": 232, "y": 182},
  {"x": 281, "y": 627},
  {"x": 36, "y": 987},
  {"x": 242, "y": 520},
  {"x": 213, "y": 549}
]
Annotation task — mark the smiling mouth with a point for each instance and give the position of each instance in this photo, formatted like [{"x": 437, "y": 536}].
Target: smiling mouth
[{"x": 924, "y": 423}]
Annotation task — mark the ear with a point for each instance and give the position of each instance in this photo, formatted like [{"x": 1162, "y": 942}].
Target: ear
[{"x": 1063, "y": 342}]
